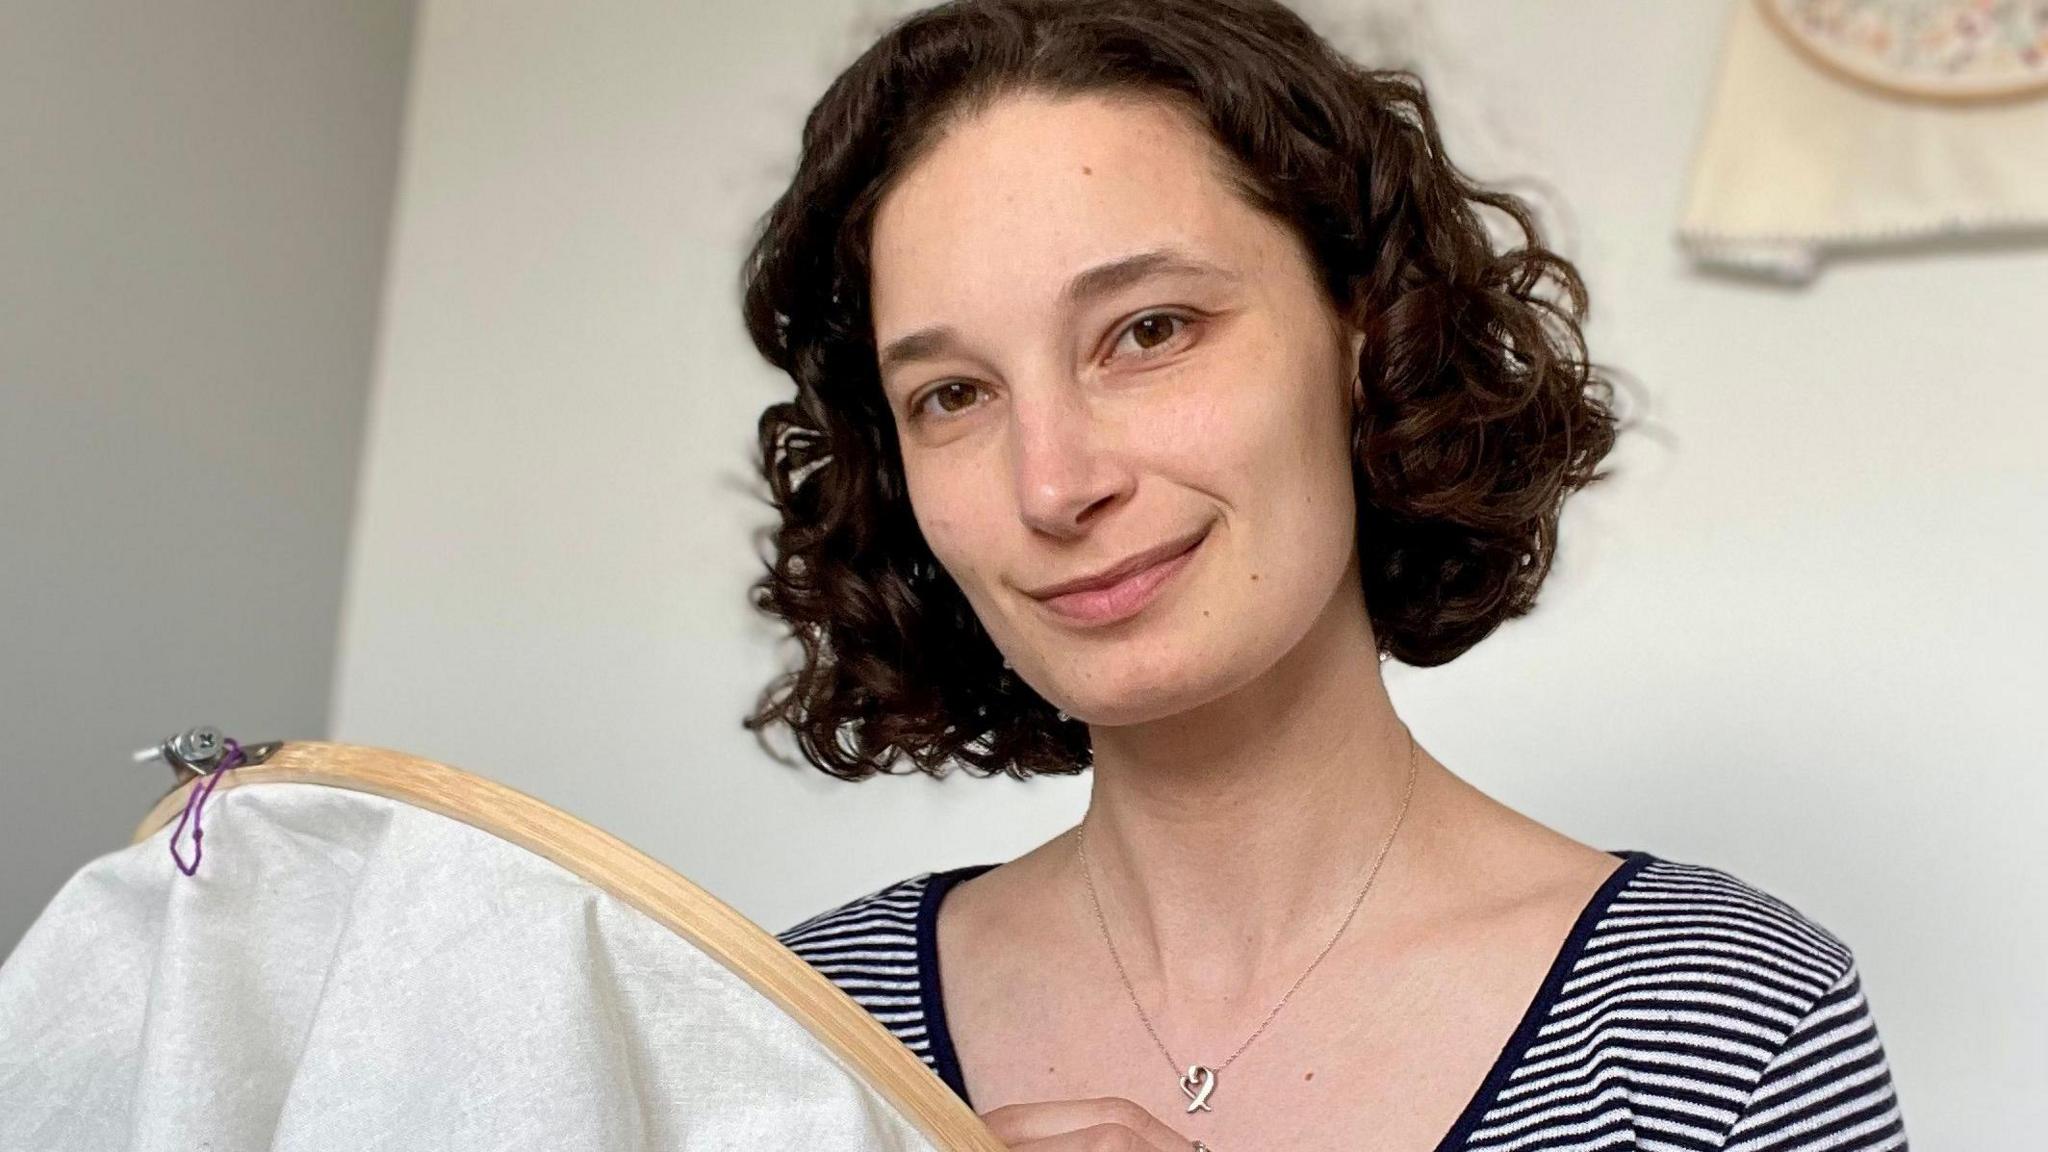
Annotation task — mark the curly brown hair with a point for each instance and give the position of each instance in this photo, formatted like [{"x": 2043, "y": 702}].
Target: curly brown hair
[{"x": 1480, "y": 411}]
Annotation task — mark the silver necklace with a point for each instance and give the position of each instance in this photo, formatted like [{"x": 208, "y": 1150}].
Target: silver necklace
[{"x": 1198, "y": 1082}]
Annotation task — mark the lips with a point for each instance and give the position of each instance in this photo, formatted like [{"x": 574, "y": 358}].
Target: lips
[
  {"x": 1122, "y": 568},
  {"x": 1121, "y": 590}
]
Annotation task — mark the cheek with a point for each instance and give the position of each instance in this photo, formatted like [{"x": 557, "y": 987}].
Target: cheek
[
  {"x": 948, "y": 513},
  {"x": 1275, "y": 453},
  {"x": 1279, "y": 449}
]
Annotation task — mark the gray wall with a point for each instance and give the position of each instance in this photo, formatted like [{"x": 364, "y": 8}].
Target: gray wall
[{"x": 194, "y": 205}]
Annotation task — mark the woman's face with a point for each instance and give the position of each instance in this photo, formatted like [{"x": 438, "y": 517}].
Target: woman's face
[{"x": 1098, "y": 356}]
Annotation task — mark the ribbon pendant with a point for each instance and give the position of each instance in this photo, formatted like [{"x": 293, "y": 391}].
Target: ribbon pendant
[{"x": 1196, "y": 1086}]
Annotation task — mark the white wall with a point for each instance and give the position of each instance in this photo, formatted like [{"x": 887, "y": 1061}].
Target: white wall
[
  {"x": 193, "y": 203},
  {"x": 1797, "y": 636}
]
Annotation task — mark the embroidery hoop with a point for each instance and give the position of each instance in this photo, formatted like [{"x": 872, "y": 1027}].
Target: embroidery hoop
[
  {"x": 849, "y": 1031},
  {"x": 1966, "y": 86}
]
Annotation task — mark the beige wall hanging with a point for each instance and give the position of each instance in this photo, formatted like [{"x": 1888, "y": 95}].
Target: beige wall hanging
[{"x": 1853, "y": 124}]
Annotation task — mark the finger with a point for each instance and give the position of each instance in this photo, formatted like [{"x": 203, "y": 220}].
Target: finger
[
  {"x": 1077, "y": 1122},
  {"x": 1099, "y": 1138}
]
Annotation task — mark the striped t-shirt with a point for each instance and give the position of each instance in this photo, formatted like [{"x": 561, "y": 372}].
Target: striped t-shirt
[{"x": 1686, "y": 1009}]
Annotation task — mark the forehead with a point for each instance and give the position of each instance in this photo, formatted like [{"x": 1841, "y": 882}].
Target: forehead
[{"x": 1011, "y": 202}]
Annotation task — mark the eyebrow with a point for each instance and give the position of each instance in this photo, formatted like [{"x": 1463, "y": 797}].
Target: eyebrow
[{"x": 1101, "y": 280}]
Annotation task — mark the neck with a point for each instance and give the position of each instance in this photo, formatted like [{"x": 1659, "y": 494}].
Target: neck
[{"x": 1226, "y": 844}]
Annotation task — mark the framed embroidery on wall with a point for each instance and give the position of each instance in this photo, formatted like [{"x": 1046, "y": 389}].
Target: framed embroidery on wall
[
  {"x": 1924, "y": 49},
  {"x": 1869, "y": 125}
]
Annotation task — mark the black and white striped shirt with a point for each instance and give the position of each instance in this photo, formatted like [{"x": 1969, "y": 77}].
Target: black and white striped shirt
[{"x": 1687, "y": 1009}]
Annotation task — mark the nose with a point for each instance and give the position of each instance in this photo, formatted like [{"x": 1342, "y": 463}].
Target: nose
[{"x": 1066, "y": 461}]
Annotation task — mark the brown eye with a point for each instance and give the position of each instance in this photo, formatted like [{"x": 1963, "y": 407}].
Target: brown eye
[
  {"x": 952, "y": 396},
  {"x": 1154, "y": 329},
  {"x": 1159, "y": 326}
]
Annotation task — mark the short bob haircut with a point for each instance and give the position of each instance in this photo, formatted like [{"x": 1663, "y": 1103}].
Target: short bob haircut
[{"x": 1480, "y": 411}]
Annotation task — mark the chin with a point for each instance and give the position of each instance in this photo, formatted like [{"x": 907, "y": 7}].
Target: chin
[
  {"x": 1174, "y": 657},
  {"x": 1184, "y": 665},
  {"x": 1119, "y": 690}
]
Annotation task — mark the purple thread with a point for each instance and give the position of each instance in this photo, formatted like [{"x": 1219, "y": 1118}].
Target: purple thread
[{"x": 195, "y": 807}]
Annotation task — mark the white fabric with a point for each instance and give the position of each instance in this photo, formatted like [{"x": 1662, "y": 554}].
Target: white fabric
[
  {"x": 1795, "y": 161},
  {"x": 351, "y": 972}
]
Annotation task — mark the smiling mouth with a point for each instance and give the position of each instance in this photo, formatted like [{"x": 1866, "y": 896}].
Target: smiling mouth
[{"x": 1122, "y": 591}]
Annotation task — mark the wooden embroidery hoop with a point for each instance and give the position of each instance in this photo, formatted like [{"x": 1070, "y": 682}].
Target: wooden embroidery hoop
[{"x": 756, "y": 956}]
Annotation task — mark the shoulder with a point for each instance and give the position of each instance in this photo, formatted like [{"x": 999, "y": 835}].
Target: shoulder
[
  {"x": 887, "y": 912},
  {"x": 1722, "y": 968},
  {"x": 874, "y": 948},
  {"x": 1670, "y": 912},
  {"x": 1718, "y": 1009}
]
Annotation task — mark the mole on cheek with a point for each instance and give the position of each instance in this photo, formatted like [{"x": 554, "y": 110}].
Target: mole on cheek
[
  {"x": 1310, "y": 1076},
  {"x": 1255, "y": 576},
  {"x": 1087, "y": 171}
]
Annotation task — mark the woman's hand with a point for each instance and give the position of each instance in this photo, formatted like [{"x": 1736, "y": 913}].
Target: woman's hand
[{"x": 1098, "y": 1124}]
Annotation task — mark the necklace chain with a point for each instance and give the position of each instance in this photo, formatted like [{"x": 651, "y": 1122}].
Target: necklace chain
[{"x": 1372, "y": 873}]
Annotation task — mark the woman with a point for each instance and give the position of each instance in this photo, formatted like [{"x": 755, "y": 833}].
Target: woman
[{"x": 1156, "y": 381}]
